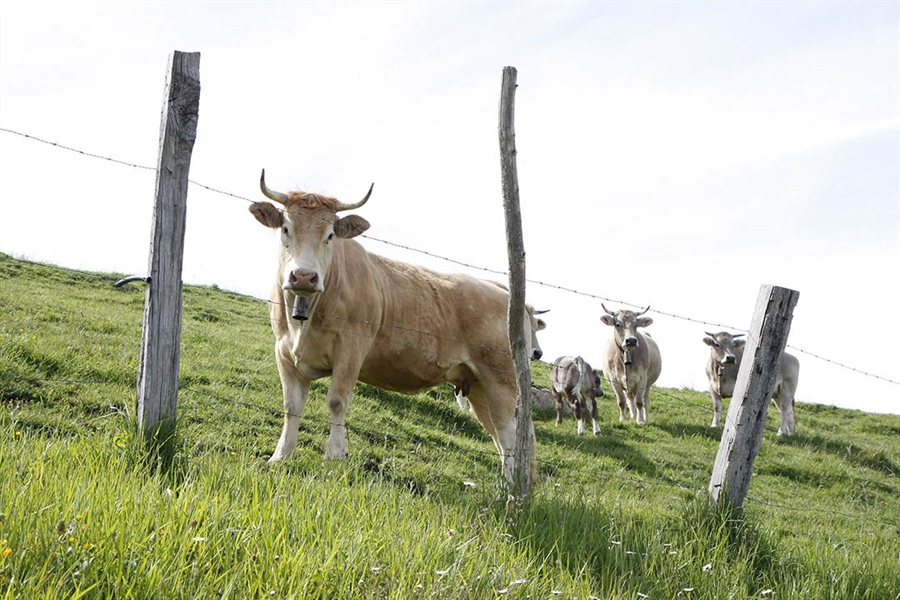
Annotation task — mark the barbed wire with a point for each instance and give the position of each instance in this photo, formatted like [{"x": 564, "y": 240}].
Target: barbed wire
[{"x": 536, "y": 282}]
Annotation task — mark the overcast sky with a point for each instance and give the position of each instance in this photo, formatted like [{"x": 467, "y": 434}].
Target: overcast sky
[{"x": 677, "y": 155}]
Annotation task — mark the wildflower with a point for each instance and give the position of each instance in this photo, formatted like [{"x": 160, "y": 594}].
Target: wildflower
[
  {"x": 87, "y": 547},
  {"x": 78, "y": 517},
  {"x": 7, "y": 552},
  {"x": 18, "y": 434},
  {"x": 707, "y": 567}
]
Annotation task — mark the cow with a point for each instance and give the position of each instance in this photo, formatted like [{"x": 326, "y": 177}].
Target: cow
[
  {"x": 573, "y": 379},
  {"x": 633, "y": 362},
  {"x": 390, "y": 324},
  {"x": 726, "y": 351}
]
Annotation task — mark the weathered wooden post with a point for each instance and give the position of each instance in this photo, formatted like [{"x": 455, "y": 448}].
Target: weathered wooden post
[
  {"x": 160, "y": 348},
  {"x": 744, "y": 425},
  {"x": 524, "y": 449}
]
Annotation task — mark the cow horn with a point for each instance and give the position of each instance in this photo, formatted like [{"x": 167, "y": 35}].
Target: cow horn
[
  {"x": 612, "y": 314},
  {"x": 737, "y": 335},
  {"x": 712, "y": 335},
  {"x": 274, "y": 196},
  {"x": 642, "y": 312},
  {"x": 344, "y": 206},
  {"x": 540, "y": 312}
]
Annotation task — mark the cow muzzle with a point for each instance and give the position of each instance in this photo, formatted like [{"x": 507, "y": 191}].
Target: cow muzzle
[
  {"x": 729, "y": 359},
  {"x": 303, "y": 280},
  {"x": 631, "y": 342},
  {"x": 536, "y": 354}
]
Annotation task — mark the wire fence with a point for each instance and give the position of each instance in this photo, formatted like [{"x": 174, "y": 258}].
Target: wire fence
[
  {"x": 464, "y": 264},
  {"x": 372, "y": 327}
]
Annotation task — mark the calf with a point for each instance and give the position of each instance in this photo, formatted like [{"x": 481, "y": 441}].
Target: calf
[
  {"x": 573, "y": 378},
  {"x": 726, "y": 351}
]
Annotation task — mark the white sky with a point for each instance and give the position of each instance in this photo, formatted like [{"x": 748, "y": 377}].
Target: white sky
[{"x": 672, "y": 154}]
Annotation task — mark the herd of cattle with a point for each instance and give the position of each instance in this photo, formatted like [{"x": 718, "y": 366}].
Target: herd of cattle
[{"x": 340, "y": 311}]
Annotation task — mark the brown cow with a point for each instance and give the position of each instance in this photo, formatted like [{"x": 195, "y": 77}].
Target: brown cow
[
  {"x": 726, "y": 351},
  {"x": 390, "y": 324},
  {"x": 575, "y": 380},
  {"x": 633, "y": 362}
]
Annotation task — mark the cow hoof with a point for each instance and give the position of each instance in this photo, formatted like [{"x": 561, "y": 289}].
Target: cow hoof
[{"x": 597, "y": 434}]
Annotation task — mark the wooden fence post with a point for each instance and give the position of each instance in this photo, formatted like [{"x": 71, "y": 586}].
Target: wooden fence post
[
  {"x": 160, "y": 348},
  {"x": 524, "y": 449},
  {"x": 744, "y": 425}
]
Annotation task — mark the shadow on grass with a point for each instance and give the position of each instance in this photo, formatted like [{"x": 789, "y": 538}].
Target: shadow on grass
[{"x": 855, "y": 455}]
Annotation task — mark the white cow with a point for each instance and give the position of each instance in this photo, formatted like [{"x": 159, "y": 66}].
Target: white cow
[
  {"x": 633, "y": 362},
  {"x": 726, "y": 351}
]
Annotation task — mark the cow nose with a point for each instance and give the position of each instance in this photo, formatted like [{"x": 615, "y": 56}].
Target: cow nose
[
  {"x": 632, "y": 341},
  {"x": 536, "y": 354},
  {"x": 303, "y": 279},
  {"x": 729, "y": 359}
]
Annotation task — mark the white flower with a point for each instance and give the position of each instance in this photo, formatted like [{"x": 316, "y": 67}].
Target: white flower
[{"x": 707, "y": 567}]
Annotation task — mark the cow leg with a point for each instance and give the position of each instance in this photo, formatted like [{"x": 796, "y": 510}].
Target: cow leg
[
  {"x": 295, "y": 390},
  {"x": 717, "y": 406},
  {"x": 578, "y": 408},
  {"x": 640, "y": 406},
  {"x": 594, "y": 417},
  {"x": 559, "y": 406},
  {"x": 339, "y": 396},
  {"x": 620, "y": 399},
  {"x": 494, "y": 406},
  {"x": 785, "y": 404}
]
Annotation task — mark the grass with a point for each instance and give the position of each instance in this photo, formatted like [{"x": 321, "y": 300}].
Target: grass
[{"x": 84, "y": 514}]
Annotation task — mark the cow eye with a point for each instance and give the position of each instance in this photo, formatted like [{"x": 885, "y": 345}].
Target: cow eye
[
  {"x": 330, "y": 235},
  {"x": 284, "y": 230}
]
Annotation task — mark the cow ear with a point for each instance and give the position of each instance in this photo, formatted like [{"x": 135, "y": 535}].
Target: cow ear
[
  {"x": 607, "y": 320},
  {"x": 541, "y": 325},
  {"x": 739, "y": 343},
  {"x": 644, "y": 322},
  {"x": 267, "y": 214},
  {"x": 350, "y": 226},
  {"x": 709, "y": 341}
]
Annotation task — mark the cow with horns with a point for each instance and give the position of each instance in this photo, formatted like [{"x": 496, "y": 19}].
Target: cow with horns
[
  {"x": 726, "y": 351},
  {"x": 633, "y": 362},
  {"x": 358, "y": 316}
]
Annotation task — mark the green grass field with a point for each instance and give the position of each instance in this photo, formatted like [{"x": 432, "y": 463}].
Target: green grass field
[{"x": 418, "y": 510}]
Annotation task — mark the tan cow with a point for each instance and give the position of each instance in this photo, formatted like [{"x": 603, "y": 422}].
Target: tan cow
[
  {"x": 633, "y": 362},
  {"x": 390, "y": 324},
  {"x": 726, "y": 351}
]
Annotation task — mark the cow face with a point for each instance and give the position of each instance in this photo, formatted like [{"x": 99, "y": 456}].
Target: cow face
[
  {"x": 309, "y": 227},
  {"x": 535, "y": 325},
  {"x": 625, "y": 324},
  {"x": 723, "y": 347}
]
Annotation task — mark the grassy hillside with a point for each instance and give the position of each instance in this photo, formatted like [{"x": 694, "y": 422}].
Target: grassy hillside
[{"x": 417, "y": 510}]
